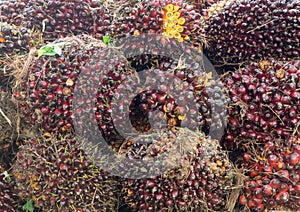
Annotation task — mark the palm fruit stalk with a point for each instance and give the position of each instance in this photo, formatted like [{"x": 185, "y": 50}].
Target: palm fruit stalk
[
  {"x": 8, "y": 196},
  {"x": 264, "y": 102},
  {"x": 56, "y": 173},
  {"x": 253, "y": 30},
  {"x": 200, "y": 180},
  {"x": 46, "y": 94},
  {"x": 273, "y": 176},
  {"x": 56, "y": 19}
]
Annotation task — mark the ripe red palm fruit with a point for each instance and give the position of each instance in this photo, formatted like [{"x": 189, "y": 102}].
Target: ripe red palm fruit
[
  {"x": 253, "y": 30},
  {"x": 277, "y": 187},
  {"x": 184, "y": 187},
  {"x": 266, "y": 113},
  {"x": 57, "y": 174}
]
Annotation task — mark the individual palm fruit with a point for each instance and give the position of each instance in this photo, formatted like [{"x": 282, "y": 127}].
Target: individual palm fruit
[
  {"x": 264, "y": 102},
  {"x": 273, "y": 172},
  {"x": 8, "y": 196},
  {"x": 57, "y": 19},
  {"x": 56, "y": 173},
  {"x": 13, "y": 40},
  {"x": 47, "y": 92},
  {"x": 254, "y": 30},
  {"x": 200, "y": 180}
]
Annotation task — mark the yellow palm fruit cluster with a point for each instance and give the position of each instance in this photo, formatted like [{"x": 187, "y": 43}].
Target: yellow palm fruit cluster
[{"x": 173, "y": 23}]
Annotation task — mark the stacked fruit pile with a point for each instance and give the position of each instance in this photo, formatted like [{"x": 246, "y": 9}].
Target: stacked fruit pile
[{"x": 134, "y": 72}]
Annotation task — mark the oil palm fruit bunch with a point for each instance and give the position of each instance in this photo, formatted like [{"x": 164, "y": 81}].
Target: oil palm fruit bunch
[
  {"x": 115, "y": 102},
  {"x": 264, "y": 102},
  {"x": 179, "y": 93},
  {"x": 181, "y": 69},
  {"x": 47, "y": 93},
  {"x": 273, "y": 173},
  {"x": 200, "y": 180},
  {"x": 13, "y": 39},
  {"x": 174, "y": 19},
  {"x": 8, "y": 196},
  {"x": 57, "y": 19},
  {"x": 254, "y": 30},
  {"x": 57, "y": 175}
]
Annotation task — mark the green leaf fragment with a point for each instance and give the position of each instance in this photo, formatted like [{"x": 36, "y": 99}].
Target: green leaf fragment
[
  {"x": 143, "y": 169},
  {"x": 28, "y": 206},
  {"x": 106, "y": 39},
  {"x": 51, "y": 49},
  {"x": 57, "y": 49},
  {"x": 293, "y": 80},
  {"x": 7, "y": 176}
]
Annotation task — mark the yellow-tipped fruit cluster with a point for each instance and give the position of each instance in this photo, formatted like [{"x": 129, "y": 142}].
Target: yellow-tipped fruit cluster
[{"x": 173, "y": 23}]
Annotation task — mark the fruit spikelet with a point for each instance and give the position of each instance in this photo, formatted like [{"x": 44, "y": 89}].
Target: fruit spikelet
[{"x": 173, "y": 23}]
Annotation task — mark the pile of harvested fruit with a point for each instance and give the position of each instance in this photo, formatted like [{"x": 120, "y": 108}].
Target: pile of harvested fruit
[{"x": 149, "y": 105}]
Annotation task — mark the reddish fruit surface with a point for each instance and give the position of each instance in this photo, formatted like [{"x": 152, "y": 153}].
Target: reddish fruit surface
[
  {"x": 271, "y": 119},
  {"x": 239, "y": 33},
  {"x": 279, "y": 186}
]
